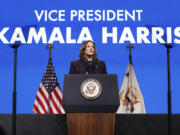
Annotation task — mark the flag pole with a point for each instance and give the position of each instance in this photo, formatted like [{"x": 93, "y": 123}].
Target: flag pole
[
  {"x": 49, "y": 47},
  {"x": 130, "y": 47},
  {"x": 15, "y": 47},
  {"x": 168, "y": 47}
]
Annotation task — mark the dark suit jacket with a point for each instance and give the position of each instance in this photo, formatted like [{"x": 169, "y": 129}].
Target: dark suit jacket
[{"x": 78, "y": 67}]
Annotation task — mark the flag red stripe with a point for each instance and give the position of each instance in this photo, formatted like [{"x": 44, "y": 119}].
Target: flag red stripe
[
  {"x": 44, "y": 96},
  {"x": 59, "y": 87},
  {"x": 37, "y": 110},
  {"x": 57, "y": 96},
  {"x": 55, "y": 105},
  {"x": 60, "y": 91},
  {"x": 41, "y": 104}
]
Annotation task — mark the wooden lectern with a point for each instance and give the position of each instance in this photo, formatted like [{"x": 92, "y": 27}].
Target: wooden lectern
[
  {"x": 90, "y": 116},
  {"x": 91, "y": 123}
]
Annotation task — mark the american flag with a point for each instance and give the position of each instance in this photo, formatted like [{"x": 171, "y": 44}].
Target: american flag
[{"x": 49, "y": 96}]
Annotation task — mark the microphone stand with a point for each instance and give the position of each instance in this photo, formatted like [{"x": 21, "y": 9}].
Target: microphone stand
[
  {"x": 15, "y": 47},
  {"x": 169, "y": 91}
]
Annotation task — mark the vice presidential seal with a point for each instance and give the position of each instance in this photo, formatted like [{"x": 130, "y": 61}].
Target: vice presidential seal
[{"x": 91, "y": 89}]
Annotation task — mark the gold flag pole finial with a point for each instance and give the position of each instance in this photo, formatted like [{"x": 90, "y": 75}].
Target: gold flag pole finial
[
  {"x": 50, "y": 47},
  {"x": 130, "y": 47}
]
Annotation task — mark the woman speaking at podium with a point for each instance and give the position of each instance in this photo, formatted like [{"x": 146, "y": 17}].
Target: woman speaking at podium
[{"x": 88, "y": 63}]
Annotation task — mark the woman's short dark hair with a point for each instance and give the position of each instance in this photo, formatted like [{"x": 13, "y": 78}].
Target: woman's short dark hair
[{"x": 83, "y": 48}]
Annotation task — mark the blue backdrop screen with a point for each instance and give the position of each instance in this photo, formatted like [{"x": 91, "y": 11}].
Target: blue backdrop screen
[{"x": 81, "y": 20}]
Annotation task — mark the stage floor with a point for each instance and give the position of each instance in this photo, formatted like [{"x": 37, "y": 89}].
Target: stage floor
[{"x": 135, "y": 124}]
